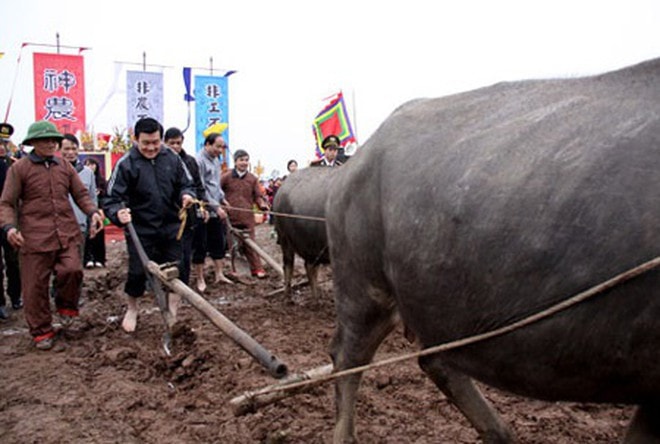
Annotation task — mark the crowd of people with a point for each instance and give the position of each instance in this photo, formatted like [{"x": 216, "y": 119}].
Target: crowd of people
[
  {"x": 179, "y": 206},
  {"x": 53, "y": 207},
  {"x": 333, "y": 156}
]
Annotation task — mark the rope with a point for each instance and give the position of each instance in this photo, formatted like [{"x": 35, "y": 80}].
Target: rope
[
  {"x": 578, "y": 298},
  {"x": 275, "y": 213},
  {"x": 183, "y": 216}
]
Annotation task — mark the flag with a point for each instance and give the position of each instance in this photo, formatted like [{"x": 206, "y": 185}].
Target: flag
[
  {"x": 187, "y": 82},
  {"x": 59, "y": 91},
  {"x": 333, "y": 119},
  {"x": 144, "y": 96},
  {"x": 211, "y": 107}
]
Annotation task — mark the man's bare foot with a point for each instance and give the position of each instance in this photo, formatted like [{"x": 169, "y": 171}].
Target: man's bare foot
[
  {"x": 222, "y": 279},
  {"x": 201, "y": 285},
  {"x": 130, "y": 318},
  {"x": 174, "y": 300}
]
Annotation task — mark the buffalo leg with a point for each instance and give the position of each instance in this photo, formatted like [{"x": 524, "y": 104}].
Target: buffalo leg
[
  {"x": 462, "y": 391},
  {"x": 312, "y": 276},
  {"x": 288, "y": 258},
  {"x": 645, "y": 425},
  {"x": 361, "y": 329}
]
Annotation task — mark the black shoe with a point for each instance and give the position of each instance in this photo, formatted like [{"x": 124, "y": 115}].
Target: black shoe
[
  {"x": 17, "y": 305},
  {"x": 3, "y": 314}
]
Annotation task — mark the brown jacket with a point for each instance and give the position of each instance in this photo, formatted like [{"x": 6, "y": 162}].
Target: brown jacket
[
  {"x": 35, "y": 200},
  {"x": 242, "y": 192}
]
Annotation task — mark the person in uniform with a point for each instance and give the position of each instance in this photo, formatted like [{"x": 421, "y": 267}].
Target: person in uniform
[{"x": 330, "y": 146}]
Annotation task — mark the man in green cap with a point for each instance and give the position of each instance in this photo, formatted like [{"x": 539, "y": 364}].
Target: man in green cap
[{"x": 39, "y": 222}]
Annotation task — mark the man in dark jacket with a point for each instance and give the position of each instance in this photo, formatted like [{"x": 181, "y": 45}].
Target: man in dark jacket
[
  {"x": 195, "y": 218},
  {"x": 148, "y": 186},
  {"x": 10, "y": 256},
  {"x": 330, "y": 146}
]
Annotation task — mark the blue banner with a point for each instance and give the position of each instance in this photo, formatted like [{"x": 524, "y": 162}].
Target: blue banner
[
  {"x": 211, "y": 107},
  {"x": 144, "y": 96}
]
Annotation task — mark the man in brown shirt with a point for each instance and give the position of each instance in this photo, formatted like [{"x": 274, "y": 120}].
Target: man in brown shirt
[
  {"x": 37, "y": 217},
  {"x": 242, "y": 191}
]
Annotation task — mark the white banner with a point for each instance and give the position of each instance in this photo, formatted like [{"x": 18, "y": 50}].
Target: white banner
[{"x": 144, "y": 96}]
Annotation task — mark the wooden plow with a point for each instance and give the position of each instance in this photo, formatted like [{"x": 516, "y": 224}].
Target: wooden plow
[
  {"x": 168, "y": 276},
  {"x": 244, "y": 236},
  {"x": 250, "y": 402}
]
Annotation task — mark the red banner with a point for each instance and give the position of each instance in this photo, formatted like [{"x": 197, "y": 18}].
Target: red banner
[{"x": 59, "y": 91}]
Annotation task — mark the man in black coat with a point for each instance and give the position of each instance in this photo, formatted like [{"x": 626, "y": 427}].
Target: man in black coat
[
  {"x": 195, "y": 219},
  {"x": 148, "y": 187},
  {"x": 330, "y": 146},
  {"x": 8, "y": 266}
]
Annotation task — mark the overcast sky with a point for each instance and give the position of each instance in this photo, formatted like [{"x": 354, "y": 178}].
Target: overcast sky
[{"x": 290, "y": 55}]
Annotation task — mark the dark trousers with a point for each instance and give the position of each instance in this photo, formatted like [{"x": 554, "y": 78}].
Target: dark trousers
[
  {"x": 9, "y": 267},
  {"x": 36, "y": 269},
  {"x": 95, "y": 248},
  {"x": 159, "y": 250},
  {"x": 211, "y": 240},
  {"x": 187, "y": 240}
]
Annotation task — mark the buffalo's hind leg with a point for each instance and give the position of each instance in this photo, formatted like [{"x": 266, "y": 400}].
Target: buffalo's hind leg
[
  {"x": 462, "y": 391},
  {"x": 645, "y": 425},
  {"x": 362, "y": 326},
  {"x": 288, "y": 257}
]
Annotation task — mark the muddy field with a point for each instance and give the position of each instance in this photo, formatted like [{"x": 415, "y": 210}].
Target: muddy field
[{"x": 105, "y": 386}]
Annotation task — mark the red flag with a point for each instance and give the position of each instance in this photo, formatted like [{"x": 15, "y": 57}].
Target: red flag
[
  {"x": 59, "y": 91},
  {"x": 333, "y": 119}
]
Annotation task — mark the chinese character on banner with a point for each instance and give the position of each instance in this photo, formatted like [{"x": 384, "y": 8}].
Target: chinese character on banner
[
  {"x": 59, "y": 91},
  {"x": 144, "y": 96},
  {"x": 211, "y": 107}
]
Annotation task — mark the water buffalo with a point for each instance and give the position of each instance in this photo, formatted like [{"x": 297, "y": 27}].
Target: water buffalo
[
  {"x": 465, "y": 213},
  {"x": 304, "y": 194}
]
